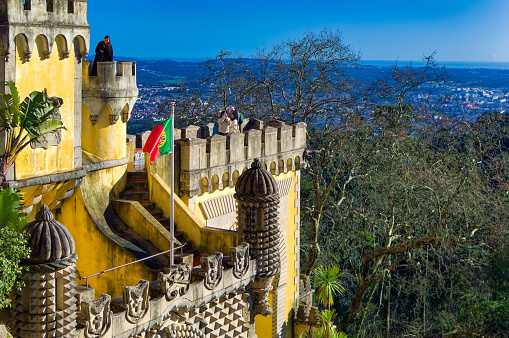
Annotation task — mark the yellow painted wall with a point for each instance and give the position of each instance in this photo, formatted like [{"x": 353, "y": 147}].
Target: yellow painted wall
[
  {"x": 263, "y": 325},
  {"x": 206, "y": 240},
  {"x": 103, "y": 139},
  {"x": 96, "y": 252},
  {"x": 292, "y": 272},
  {"x": 57, "y": 75}
]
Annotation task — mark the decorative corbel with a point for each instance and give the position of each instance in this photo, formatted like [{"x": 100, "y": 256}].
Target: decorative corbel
[
  {"x": 114, "y": 118},
  {"x": 126, "y": 116},
  {"x": 28, "y": 55},
  {"x": 93, "y": 119}
]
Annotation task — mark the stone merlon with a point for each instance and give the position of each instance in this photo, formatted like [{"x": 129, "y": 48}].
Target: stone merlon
[
  {"x": 202, "y": 161},
  {"x": 114, "y": 85}
]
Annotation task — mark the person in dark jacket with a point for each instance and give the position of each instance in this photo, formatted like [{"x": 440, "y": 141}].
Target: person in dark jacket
[{"x": 103, "y": 52}]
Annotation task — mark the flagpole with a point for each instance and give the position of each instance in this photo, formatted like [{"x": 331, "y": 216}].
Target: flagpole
[{"x": 172, "y": 225}]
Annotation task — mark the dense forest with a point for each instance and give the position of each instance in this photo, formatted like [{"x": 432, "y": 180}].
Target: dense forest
[{"x": 404, "y": 207}]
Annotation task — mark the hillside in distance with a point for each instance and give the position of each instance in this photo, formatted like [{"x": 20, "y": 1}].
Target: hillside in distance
[{"x": 168, "y": 72}]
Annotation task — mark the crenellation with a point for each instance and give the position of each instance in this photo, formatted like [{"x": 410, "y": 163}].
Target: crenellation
[
  {"x": 44, "y": 11},
  {"x": 114, "y": 85},
  {"x": 279, "y": 147}
]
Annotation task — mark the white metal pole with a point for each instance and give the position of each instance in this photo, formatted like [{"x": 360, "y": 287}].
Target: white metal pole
[{"x": 172, "y": 225}]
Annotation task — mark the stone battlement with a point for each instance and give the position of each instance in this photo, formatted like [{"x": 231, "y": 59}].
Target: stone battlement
[
  {"x": 114, "y": 85},
  {"x": 206, "y": 163},
  {"x": 69, "y": 12},
  {"x": 61, "y": 21}
]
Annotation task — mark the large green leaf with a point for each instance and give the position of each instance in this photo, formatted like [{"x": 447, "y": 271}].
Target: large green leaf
[{"x": 10, "y": 210}]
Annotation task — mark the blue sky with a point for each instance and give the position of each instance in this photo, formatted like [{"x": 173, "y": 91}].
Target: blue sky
[{"x": 458, "y": 30}]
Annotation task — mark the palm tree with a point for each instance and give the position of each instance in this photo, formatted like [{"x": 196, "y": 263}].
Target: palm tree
[
  {"x": 326, "y": 280},
  {"x": 24, "y": 122}
]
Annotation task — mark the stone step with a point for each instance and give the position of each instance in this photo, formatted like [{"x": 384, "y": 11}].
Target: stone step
[
  {"x": 155, "y": 212},
  {"x": 136, "y": 175},
  {"x": 135, "y": 195},
  {"x": 137, "y": 184}
]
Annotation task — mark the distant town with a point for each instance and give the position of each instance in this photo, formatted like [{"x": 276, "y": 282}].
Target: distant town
[{"x": 470, "y": 93}]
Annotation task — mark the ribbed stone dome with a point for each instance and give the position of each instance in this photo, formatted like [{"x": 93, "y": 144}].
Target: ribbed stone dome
[
  {"x": 256, "y": 182},
  {"x": 49, "y": 239}
]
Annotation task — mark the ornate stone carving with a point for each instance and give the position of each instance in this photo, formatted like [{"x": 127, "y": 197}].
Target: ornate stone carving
[
  {"x": 52, "y": 138},
  {"x": 182, "y": 330},
  {"x": 257, "y": 195},
  {"x": 239, "y": 258},
  {"x": 97, "y": 316},
  {"x": 136, "y": 300},
  {"x": 212, "y": 270},
  {"x": 261, "y": 288},
  {"x": 175, "y": 280}
]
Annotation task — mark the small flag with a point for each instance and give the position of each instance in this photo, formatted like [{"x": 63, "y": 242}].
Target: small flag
[{"x": 159, "y": 141}]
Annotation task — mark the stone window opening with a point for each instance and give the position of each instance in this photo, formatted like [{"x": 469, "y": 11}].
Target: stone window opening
[
  {"x": 70, "y": 6},
  {"x": 27, "y": 5},
  {"x": 49, "y": 5}
]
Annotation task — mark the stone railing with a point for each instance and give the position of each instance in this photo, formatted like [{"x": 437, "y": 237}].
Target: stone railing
[
  {"x": 114, "y": 85},
  {"x": 205, "y": 163},
  {"x": 207, "y": 301}
]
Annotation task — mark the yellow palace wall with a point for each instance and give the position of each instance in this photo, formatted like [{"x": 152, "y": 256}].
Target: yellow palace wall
[
  {"x": 57, "y": 75},
  {"x": 103, "y": 139}
]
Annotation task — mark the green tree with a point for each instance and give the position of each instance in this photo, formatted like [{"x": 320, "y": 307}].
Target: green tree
[
  {"x": 13, "y": 243},
  {"x": 326, "y": 280},
  {"x": 24, "y": 121}
]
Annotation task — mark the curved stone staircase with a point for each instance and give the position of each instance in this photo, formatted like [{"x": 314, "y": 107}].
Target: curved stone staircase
[{"x": 137, "y": 190}]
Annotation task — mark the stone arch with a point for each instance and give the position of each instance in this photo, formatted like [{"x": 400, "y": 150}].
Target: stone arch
[
  {"x": 225, "y": 180},
  {"x": 244, "y": 169},
  {"x": 215, "y": 182},
  {"x": 204, "y": 185},
  {"x": 62, "y": 47},
  {"x": 297, "y": 163},
  {"x": 264, "y": 165},
  {"x": 273, "y": 168},
  {"x": 23, "y": 50},
  {"x": 289, "y": 164},
  {"x": 235, "y": 177},
  {"x": 80, "y": 47},
  {"x": 43, "y": 49},
  {"x": 281, "y": 167}
]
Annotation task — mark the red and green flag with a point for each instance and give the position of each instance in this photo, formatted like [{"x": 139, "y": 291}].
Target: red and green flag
[{"x": 159, "y": 141}]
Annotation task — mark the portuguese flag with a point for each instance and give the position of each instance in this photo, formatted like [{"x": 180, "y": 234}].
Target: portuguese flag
[{"x": 160, "y": 140}]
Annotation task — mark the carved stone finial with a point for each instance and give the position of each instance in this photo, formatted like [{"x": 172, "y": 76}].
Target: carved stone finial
[
  {"x": 256, "y": 182},
  {"x": 49, "y": 239},
  {"x": 258, "y": 200}
]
